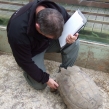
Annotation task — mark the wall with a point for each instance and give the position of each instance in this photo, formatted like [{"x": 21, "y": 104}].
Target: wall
[{"x": 91, "y": 55}]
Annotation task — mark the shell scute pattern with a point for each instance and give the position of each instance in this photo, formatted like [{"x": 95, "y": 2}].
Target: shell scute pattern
[{"x": 78, "y": 90}]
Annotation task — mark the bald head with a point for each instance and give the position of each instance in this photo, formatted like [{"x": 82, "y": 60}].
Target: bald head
[{"x": 51, "y": 22}]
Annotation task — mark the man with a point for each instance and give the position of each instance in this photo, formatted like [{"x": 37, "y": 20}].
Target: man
[{"x": 34, "y": 30}]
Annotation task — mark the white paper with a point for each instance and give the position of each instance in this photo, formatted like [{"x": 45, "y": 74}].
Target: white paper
[{"x": 74, "y": 23}]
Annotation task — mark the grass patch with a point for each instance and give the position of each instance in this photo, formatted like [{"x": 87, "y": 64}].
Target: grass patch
[
  {"x": 94, "y": 36},
  {"x": 4, "y": 21}
]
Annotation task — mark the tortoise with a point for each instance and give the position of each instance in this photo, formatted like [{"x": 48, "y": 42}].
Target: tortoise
[{"x": 78, "y": 90}]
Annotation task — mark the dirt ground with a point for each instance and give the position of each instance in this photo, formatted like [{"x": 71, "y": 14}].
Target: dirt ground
[{"x": 15, "y": 93}]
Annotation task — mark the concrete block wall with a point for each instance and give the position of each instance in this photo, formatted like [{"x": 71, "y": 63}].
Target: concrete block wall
[{"x": 91, "y": 55}]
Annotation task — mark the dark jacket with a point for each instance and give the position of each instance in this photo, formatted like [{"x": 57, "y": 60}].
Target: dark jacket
[{"x": 25, "y": 41}]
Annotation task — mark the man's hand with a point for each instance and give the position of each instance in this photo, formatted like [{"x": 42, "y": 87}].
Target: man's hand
[
  {"x": 70, "y": 38},
  {"x": 52, "y": 84}
]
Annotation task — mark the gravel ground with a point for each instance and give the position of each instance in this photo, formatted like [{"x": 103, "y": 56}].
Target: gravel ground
[{"x": 15, "y": 93}]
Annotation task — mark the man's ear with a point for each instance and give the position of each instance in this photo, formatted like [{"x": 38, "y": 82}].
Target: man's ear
[{"x": 37, "y": 26}]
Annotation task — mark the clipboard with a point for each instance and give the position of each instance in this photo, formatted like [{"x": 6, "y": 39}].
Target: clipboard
[{"x": 72, "y": 26}]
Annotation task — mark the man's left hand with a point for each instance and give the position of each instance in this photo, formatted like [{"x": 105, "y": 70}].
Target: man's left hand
[{"x": 71, "y": 38}]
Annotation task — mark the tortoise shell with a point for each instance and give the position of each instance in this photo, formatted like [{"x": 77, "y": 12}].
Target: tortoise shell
[{"x": 78, "y": 90}]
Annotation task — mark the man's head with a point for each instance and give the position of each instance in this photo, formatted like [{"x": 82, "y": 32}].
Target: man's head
[{"x": 49, "y": 22}]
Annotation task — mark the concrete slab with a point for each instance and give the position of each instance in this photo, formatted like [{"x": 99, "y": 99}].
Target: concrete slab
[
  {"x": 92, "y": 17},
  {"x": 87, "y": 9},
  {"x": 94, "y": 10},
  {"x": 97, "y": 27},
  {"x": 101, "y": 11},
  {"x": 100, "y": 18},
  {"x": 15, "y": 93},
  {"x": 81, "y": 8},
  {"x": 106, "y": 11},
  {"x": 105, "y": 28},
  {"x": 89, "y": 26}
]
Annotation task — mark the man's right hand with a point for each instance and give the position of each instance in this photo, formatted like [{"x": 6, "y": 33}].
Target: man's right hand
[{"x": 52, "y": 84}]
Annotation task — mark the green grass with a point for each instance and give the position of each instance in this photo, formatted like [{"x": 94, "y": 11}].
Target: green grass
[
  {"x": 94, "y": 36},
  {"x": 4, "y": 21}
]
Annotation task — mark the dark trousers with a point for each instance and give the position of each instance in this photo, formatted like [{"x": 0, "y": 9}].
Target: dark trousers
[{"x": 69, "y": 55}]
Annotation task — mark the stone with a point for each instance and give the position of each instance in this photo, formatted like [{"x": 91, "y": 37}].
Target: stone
[{"x": 78, "y": 90}]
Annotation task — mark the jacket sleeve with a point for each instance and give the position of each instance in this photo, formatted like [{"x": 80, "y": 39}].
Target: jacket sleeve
[{"x": 22, "y": 54}]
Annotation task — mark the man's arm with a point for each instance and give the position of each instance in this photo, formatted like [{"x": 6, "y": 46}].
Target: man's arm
[
  {"x": 23, "y": 57},
  {"x": 71, "y": 38}
]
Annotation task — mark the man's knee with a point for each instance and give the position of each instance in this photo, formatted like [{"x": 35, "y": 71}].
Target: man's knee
[
  {"x": 36, "y": 85},
  {"x": 69, "y": 54},
  {"x": 39, "y": 86},
  {"x": 72, "y": 48},
  {"x": 77, "y": 44}
]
